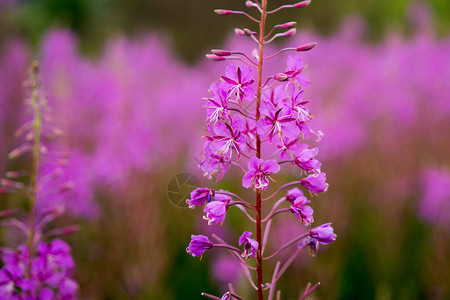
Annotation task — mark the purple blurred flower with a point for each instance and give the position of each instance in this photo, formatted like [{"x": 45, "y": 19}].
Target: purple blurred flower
[
  {"x": 198, "y": 245},
  {"x": 315, "y": 183},
  {"x": 305, "y": 160},
  {"x": 258, "y": 172},
  {"x": 323, "y": 234},
  {"x": 216, "y": 210},
  {"x": 200, "y": 196},
  {"x": 250, "y": 245},
  {"x": 293, "y": 194},
  {"x": 303, "y": 212},
  {"x": 216, "y": 107},
  {"x": 435, "y": 202}
]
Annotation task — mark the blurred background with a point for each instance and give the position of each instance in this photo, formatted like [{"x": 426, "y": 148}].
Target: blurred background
[{"x": 125, "y": 81}]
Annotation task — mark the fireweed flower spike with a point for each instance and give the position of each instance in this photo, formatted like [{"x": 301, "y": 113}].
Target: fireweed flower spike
[
  {"x": 38, "y": 269},
  {"x": 244, "y": 113}
]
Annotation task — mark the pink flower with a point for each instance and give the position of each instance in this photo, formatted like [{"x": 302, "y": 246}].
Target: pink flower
[
  {"x": 239, "y": 82},
  {"x": 250, "y": 245},
  {"x": 216, "y": 210},
  {"x": 315, "y": 182},
  {"x": 303, "y": 212},
  {"x": 258, "y": 172}
]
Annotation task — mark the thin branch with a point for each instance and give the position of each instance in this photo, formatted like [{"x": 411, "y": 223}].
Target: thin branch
[
  {"x": 266, "y": 235},
  {"x": 309, "y": 291},
  {"x": 275, "y": 213},
  {"x": 210, "y": 296},
  {"x": 247, "y": 214},
  {"x": 289, "y": 261},
  {"x": 245, "y": 14},
  {"x": 282, "y": 187},
  {"x": 273, "y": 282},
  {"x": 292, "y": 241}
]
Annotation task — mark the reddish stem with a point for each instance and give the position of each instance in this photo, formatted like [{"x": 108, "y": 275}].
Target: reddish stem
[{"x": 258, "y": 152}]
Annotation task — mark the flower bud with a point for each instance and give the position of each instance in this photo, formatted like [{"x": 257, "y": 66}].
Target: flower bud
[
  {"x": 302, "y": 4},
  {"x": 67, "y": 186},
  {"x": 249, "y": 4},
  {"x": 214, "y": 57},
  {"x": 219, "y": 52},
  {"x": 248, "y": 32},
  {"x": 223, "y": 12},
  {"x": 290, "y": 32},
  {"x": 280, "y": 77},
  {"x": 306, "y": 47},
  {"x": 288, "y": 25},
  {"x": 239, "y": 32}
]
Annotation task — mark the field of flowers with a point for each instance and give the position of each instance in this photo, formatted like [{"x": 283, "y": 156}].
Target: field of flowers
[{"x": 129, "y": 120}]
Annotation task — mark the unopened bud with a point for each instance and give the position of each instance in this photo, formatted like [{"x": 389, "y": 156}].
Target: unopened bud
[
  {"x": 219, "y": 52},
  {"x": 6, "y": 213},
  {"x": 306, "y": 47},
  {"x": 66, "y": 187},
  {"x": 248, "y": 32},
  {"x": 7, "y": 183},
  {"x": 239, "y": 31},
  {"x": 18, "y": 152},
  {"x": 214, "y": 57},
  {"x": 280, "y": 77},
  {"x": 288, "y": 25},
  {"x": 43, "y": 149},
  {"x": 290, "y": 32},
  {"x": 15, "y": 174},
  {"x": 62, "y": 162},
  {"x": 29, "y": 136},
  {"x": 58, "y": 132},
  {"x": 223, "y": 12},
  {"x": 69, "y": 229},
  {"x": 302, "y": 4},
  {"x": 249, "y": 3}
]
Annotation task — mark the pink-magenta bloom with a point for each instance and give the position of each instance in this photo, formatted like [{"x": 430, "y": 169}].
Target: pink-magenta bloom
[
  {"x": 323, "y": 234},
  {"x": 293, "y": 194},
  {"x": 307, "y": 162},
  {"x": 216, "y": 210},
  {"x": 315, "y": 182},
  {"x": 277, "y": 121},
  {"x": 250, "y": 245},
  {"x": 216, "y": 107},
  {"x": 226, "y": 138},
  {"x": 303, "y": 212},
  {"x": 295, "y": 66},
  {"x": 259, "y": 172},
  {"x": 198, "y": 245},
  {"x": 289, "y": 148},
  {"x": 200, "y": 196},
  {"x": 302, "y": 114},
  {"x": 213, "y": 163},
  {"x": 239, "y": 82}
]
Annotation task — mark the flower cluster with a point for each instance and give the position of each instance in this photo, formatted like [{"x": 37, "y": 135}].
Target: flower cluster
[
  {"x": 51, "y": 272},
  {"x": 37, "y": 269},
  {"x": 245, "y": 113}
]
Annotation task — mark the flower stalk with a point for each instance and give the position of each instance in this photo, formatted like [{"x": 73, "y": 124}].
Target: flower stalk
[{"x": 274, "y": 112}]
